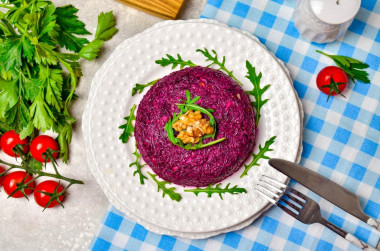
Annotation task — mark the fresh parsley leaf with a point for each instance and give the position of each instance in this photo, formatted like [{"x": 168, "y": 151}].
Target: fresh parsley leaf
[
  {"x": 67, "y": 26},
  {"x": 18, "y": 116},
  {"x": 210, "y": 190},
  {"x": 91, "y": 50},
  {"x": 106, "y": 26},
  {"x": 174, "y": 62},
  {"x": 215, "y": 61},
  {"x": 258, "y": 156},
  {"x": 352, "y": 67},
  {"x": 128, "y": 127},
  {"x": 104, "y": 31},
  {"x": 8, "y": 96},
  {"x": 10, "y": 52},
  {"x": 41, "y": 114},
  {"x": 257, "y": 92},
  {"x": 52, "y": 80},
  {"x": 161, "y": 185}
]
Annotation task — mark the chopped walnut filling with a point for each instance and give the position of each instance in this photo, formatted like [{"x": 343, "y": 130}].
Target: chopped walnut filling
[{"x": 192, "y": 127}]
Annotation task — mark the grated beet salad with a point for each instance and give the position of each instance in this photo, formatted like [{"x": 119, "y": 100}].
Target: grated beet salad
[{"x": 235, "y": 120}]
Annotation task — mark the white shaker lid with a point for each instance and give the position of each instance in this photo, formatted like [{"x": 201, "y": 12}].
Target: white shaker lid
[{"x": 335, "y": 11}]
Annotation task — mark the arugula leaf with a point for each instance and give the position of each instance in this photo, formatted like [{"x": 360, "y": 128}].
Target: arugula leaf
[
  {"x": 217, "y": 189},
  {"x": 106, "y": 26},
  {"x": 128, "y": 127},
  {"x": 257, "y": 92},
  {"x": 161, "y": 185},
  {"x": 138, "y": 166},
  {"x": 214, "y": 59},
  {"x": 258, "y": 156},
  {"x": 139, "y": 88},
  {"x": 68, "y": 24},
  {"x": 174, "y": 62},
  {"x": 352, "y": 67}
]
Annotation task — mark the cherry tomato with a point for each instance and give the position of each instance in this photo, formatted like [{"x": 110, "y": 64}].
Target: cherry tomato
[
  {"x": 10, "y": 139},
  {"x": 40, "y": 145},
  {"x": 47, "y": 186},
  {"x": 12, "y": 179},
  {"x": 332, "y": 80},
  {"x": 2, "y": 169}
]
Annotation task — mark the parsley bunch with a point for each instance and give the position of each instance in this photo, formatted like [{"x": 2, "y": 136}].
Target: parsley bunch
[{"x": 37, "y": 79}]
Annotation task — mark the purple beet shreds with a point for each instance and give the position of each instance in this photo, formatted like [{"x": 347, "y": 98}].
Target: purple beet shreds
[{"x": 235, "y": 119}]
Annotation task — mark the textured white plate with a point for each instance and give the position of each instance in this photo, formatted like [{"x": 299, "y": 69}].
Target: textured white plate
[{"x": 110, "y": 101}]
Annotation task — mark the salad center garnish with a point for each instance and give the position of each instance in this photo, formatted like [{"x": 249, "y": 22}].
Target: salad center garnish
[{"x": 191, "y": 126}]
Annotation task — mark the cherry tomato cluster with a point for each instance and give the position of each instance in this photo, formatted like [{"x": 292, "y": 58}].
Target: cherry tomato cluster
[{"x": 18, "y": 184}]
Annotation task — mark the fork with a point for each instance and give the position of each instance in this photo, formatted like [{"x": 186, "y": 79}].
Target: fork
[{"x": 301, "y": 207}]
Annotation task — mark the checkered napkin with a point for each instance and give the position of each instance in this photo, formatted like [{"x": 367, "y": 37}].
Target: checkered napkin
[{"x": 340, "y": 138}]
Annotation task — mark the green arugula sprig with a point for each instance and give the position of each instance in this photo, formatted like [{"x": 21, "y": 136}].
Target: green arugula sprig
[
  {"x": 258, "y": 156},
  {"x": 257, "y": 92},
  {"x": 161, "y": 185},
  {"x": 352, "y": 67},
  {"x": 35, "y": 91},
  {"x": 185, "y": 107},
  {"x": 138, "y": 166},
  {"x": 174, "y": 62},
  {"x": 128, "y": 128},
  {"x": 215, "y": 61},
  {"x": 139, "y": 88},
  {"x": 210, "y": 190}
]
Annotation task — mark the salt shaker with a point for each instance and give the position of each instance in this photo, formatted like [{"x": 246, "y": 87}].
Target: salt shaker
[{"x": 324, "y": 21}]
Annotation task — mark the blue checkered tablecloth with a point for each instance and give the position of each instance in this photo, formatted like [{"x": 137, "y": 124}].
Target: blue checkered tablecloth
[{"x": 340, "y": 138}]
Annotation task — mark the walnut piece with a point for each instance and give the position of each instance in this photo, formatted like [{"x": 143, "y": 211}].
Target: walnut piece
[{"x": 192, "y": 127}]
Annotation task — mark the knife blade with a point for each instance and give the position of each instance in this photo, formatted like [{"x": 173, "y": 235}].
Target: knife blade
[{"x": 325, "y": 188}]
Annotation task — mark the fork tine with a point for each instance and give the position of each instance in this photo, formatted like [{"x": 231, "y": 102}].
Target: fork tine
[
  {"x": 275, "y": 181},
  {"x": 290, "y": 204},
  {"x": 301, "y": 195},
  {"x": 271, "y": 186},
  {"x": 266, "y": 196},
  {"x": 269, "y": 191},
  {"x": 288, "y": 211},
  {"x": 290, "y": 196}
]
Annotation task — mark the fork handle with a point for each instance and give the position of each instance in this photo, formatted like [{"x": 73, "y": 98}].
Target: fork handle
[{"x": 360, "y": 244}]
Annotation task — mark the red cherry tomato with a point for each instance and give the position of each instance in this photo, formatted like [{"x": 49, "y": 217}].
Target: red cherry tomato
[
  {"x": 12, "y": 179},
  {"x": 47, "y": 186},
  {"x": 40, "y": 145},
  {"x": 2, "y": 169},
  {"x": 325, "y": 83},
  {"x": 10, "y": 139}
]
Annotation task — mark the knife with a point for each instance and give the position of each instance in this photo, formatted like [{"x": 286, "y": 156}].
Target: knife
[{"x": 325, "y": 188}]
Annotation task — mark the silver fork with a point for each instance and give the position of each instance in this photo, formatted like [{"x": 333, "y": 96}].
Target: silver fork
[{"x": 301, "y": 207}]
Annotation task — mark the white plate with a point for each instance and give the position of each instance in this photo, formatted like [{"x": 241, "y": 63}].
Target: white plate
[{"x": 110, "y": 100}]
